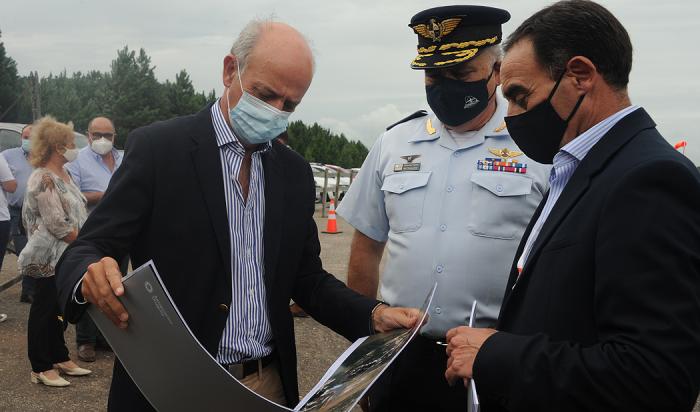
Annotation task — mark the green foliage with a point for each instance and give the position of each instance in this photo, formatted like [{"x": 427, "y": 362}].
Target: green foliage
[
  {"x": 9, "y": 85},
  {"x": 318, "y": 144},
  {"x": 131, "y": 96}
]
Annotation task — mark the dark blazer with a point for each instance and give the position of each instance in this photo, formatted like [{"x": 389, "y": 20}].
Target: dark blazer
[
  {"x": 606, "y": 313},
  {"x": 166, "y": 202}
]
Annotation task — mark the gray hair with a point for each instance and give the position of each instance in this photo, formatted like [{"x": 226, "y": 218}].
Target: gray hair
[
  {"x": 496, "y": 53},
  {"x": 248, "y": 38}
]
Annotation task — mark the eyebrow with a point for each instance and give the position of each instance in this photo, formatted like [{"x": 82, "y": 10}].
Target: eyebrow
[
  {"x": 261, "y": 87},
  {"x": 513, "y": 91}
]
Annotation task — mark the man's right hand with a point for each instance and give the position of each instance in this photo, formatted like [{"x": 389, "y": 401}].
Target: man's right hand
[{"x": 101, "y": 286}]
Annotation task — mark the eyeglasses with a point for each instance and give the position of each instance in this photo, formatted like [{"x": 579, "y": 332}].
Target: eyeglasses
[{"x": 99, "y": 135}]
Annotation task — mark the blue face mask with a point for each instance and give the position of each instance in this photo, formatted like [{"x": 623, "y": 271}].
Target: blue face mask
[
  {"x": 253, "y": 120},
  {"x": 26, "y": 145}
]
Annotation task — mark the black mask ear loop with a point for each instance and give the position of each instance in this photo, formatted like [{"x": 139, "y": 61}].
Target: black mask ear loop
[
  {"x": 578, "y": 103},
  {"x": 493, "y": 69}
]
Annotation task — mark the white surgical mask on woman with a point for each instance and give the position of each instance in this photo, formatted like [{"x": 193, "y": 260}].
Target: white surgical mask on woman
[{"x": 71, "y": 154}]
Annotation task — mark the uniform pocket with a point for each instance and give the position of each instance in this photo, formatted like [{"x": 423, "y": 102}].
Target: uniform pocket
[
  {"x": 498, "y": 208},
  {"x": 404, "y": 195}
]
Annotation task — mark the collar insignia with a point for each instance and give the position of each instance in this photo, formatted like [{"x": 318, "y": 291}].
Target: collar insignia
[
  {"x": 429, "y": 127},
  {"x": 500, "y": 128}
]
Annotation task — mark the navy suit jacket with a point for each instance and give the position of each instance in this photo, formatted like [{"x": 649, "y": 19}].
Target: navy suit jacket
[
  {"x": 166, "y": 202},
  {"x": 606, "y": 313}
]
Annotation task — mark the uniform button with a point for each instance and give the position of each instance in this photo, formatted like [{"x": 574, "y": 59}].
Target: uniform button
[
  {"x": 438, "y": 310},
  {"x": 443, "y": 227},
  {"x": 450, "y": 189},
  {"x": 457, "y": 154},
  {"x": 439, "y": 268},
  {"x": 402, "y": 186},
  {"x": 223, "y": 307},
  {"x": 499, "y": 188}
]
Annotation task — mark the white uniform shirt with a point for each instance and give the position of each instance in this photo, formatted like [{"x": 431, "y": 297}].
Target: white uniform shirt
[{"x": 443, "y": 219}]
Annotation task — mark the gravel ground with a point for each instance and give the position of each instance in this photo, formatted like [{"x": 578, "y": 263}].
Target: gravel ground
[{"x": 317, "y": 347}]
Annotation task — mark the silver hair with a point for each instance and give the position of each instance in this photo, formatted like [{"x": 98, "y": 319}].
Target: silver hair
[
  {"x": 248, "y": 38},
  {"x": 496, "y": 53}
]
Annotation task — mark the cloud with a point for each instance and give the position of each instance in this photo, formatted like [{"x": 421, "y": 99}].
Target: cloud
[{"x": 366, "y": 127}]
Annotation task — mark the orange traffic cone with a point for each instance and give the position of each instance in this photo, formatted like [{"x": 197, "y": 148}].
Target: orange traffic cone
[{"x": 332, "y": 224}]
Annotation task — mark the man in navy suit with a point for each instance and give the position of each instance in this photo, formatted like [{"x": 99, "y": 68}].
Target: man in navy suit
[
  {"x": 217, "y": 180},
  {"x": 602, "y": 309}
]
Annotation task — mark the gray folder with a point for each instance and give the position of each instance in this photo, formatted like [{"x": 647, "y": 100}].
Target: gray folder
[{"x": 167, "y": 363}]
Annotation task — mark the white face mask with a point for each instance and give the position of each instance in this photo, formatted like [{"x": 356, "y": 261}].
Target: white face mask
[
  {"x": 102, "y": 146},
  {"x": 71, "y": 154}
]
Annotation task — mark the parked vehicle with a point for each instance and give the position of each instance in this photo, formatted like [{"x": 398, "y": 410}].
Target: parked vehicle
[{"x": 11, "y": 136}]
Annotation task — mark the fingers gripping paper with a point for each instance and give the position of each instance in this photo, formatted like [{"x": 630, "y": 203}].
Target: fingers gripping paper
[{"x": 158, "y": 346}]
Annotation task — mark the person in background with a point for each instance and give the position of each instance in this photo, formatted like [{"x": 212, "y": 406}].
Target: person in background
[
  {"x": 18, "y": 160},
  {"x": 91, "y": 172},
  {"x": 437, "y": 192},
  {"x": 9, "y": 185},
  {"x": 53, "y": 212}
]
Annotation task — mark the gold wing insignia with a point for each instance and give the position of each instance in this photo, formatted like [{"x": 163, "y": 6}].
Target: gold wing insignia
[
  {"x": 448, "y": 26},
  {"x": 505, "y": 153},
  {"x": 422, "y": 29}
]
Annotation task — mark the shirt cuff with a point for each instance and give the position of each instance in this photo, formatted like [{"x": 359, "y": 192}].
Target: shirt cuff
[{"x": 77, "y": 295}]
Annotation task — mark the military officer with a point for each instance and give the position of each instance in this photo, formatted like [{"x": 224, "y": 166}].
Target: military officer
[{"x": 449, "y": 194}]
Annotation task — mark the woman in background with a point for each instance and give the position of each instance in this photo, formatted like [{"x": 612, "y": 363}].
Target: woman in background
[{"x": 53, "y": 212}]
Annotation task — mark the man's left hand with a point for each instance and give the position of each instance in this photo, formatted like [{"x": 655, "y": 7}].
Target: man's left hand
[
  {"x": 463, "y": 345},
  {"x": 386, "y": 318}
]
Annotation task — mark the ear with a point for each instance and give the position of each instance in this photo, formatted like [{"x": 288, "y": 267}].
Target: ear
[
  {"x": 230, "y": 69},
  {"x": 583, "y": 73}
]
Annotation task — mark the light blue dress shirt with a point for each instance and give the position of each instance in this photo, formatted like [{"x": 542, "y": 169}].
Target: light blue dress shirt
[
  {"x": 565, "y": 163},
  {"x": 90, "y": 173},
  {"x": 446, "y": 221},
  {"x": 21, "y": 169}
]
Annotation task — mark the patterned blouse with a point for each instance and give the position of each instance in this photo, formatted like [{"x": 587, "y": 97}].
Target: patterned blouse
[{"x": 52, "y": 209}]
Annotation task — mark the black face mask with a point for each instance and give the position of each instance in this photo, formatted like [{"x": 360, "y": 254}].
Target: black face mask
[
  {"x": 538, "y": 131},
  {"x": 455, "y": 102}
]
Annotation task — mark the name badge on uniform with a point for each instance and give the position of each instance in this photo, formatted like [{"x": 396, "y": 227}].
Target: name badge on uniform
[
  {"x": 409, "y": 166},
  {"x": 505, "y": 162}
]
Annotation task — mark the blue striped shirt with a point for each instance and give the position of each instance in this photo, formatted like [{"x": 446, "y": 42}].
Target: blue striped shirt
[
  {"x": 247, "y": 334},
  {"x": 565, "y": 163}
]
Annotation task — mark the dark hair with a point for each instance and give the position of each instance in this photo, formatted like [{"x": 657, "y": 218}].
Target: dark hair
[{"x": 578, "y": 28}]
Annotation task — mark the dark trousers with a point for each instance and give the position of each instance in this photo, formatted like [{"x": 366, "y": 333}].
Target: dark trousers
[
  {"x": 416, "y": 382},
  {"x": 85, "y": 330},
  {"x": 45, "y": 328},
  {"x": 19, "y": 239}
]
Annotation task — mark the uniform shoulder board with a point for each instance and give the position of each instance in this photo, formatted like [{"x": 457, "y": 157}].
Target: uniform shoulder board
[{"x": 419, "y": 113}]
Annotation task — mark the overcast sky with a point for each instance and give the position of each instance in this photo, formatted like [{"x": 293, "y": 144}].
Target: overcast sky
[{"x": 363, "y": 49}]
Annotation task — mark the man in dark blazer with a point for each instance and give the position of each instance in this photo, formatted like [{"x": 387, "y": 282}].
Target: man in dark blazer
[
  {"x": 223, "y": 219},
  {"x": 602, "y": 309}
]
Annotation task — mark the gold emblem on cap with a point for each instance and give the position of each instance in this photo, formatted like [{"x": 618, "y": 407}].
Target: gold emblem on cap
[
  {"x": 500, "y": 128},
  {"x": 429, "y": 127},
  {"x": 505, "y": 153},
  {"x": 435, "y": 30}
]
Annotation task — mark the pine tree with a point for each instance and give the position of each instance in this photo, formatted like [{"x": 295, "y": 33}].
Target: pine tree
[{"x": 9, "y": 86}]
